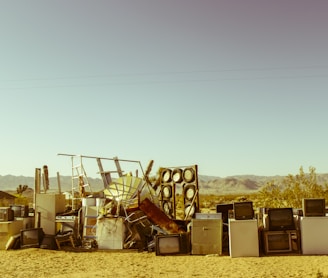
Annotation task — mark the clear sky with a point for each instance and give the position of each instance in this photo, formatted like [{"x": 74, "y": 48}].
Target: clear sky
[{"x": 236, "y": 87}]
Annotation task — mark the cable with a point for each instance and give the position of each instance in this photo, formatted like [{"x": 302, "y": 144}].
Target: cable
[
  {"x": 165, "y": 82},
  {"x": 170, "y": 73}
]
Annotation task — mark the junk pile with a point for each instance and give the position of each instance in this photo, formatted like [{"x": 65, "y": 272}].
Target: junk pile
[{"x": 131, "y": 212}]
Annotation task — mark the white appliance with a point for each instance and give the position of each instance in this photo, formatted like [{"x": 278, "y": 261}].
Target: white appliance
[
  {"x": 243, "y": 238},
  {"x": 48, "y": 205},
  {"x": 199, "y": 215},
  {"x": 314, "y": 231},
  {"x": 110, "y": 233},
  {"x": 8, "y": 229}
]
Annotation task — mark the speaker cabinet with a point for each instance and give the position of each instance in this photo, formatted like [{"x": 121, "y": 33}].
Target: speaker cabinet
[
  {"x": 190, "y": 192},
  {"x": 182, "y": 178},
  {"x": 167, "y": 194}
]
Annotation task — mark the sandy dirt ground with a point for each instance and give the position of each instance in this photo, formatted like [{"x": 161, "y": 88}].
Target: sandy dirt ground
[{"x": 36, "y": 263}]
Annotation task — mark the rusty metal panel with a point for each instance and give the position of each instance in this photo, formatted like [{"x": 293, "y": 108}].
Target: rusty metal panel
[{"x": 158, "y": 217}]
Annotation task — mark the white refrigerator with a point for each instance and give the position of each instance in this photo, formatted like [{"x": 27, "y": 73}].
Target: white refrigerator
[
  {"x": 314, "y": 231},
  {"x": 243, "y": 238}
]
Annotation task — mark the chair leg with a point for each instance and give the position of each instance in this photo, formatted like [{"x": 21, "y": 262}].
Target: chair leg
[
  {"x": 68, "y": 239},
  {"x": 72, "y": 241}
]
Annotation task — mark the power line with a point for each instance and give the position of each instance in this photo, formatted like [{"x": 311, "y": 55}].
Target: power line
[
  {"x": 168, "y": 73},
  {"x": 130, "y": 83}
]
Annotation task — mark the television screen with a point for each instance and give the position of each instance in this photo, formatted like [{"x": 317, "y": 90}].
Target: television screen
[
  {"x": 31, "y": 237},
  {"x": 281, "y": 219},
  {"x": 172, "y": 244},
  {"x": 224, "y": 209},
  {"x": 20, "y": 210},
  {"x": 277, "y": 242},
  {"x": 314, "y": 207},
  {"x": 6, "y": 214},
  {"x": 243, "y": 210}
]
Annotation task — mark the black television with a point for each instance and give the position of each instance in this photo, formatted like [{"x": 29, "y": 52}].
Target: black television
[
  {"x": 314, "y": 207},
  {"x": 31, "y": 238},
  {"x": 281, "y": 219},
  {"x": 225, "y": 210},
  {"x": 172, "y": 244},
  {"x": 20, "y": 210},
  {"x": 243, "y": 210},
  {"x": 6, "y": 214}
]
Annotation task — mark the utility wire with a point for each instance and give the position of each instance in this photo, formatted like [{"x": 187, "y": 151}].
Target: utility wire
[
  {"x": 165, "y": 75},
  {"x": 127, "y": 83},
  {"x": 170, "y": 73}
]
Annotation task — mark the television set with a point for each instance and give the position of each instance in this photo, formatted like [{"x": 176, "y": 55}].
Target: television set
[
  {"x": 314, "y": 207},
  {"x": 6, "y": 214},
  {"x": 172, "y": 244},
  {"x": 277, "y": 242},
  {"x": 31, "y": 238},
  {"x": 20, "y": 210},
  {"x": 13, "y": 242},
  {"x": 48, "y": 242},
  {"x": 224, "y": 209},
  {"x": 243, "y": 210},
  {"x": 281, "y": 219}
]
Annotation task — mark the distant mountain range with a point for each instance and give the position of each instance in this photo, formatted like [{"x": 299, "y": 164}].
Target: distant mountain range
[
  {"x": 207, "y": 184},
  {"x": 10, "y": 182}
]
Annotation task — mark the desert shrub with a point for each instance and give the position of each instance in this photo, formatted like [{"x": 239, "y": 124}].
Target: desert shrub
[
  {"x": 20, "y": 200},
  {"x": 21, "y": 188},
  {"x": 292, "y": 190}
]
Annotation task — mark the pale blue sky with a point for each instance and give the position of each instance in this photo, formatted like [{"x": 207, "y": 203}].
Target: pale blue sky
[{"x": 237, "y": 87}]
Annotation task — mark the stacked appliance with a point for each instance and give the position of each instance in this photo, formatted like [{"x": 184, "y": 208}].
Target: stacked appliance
[
  {"x": 243, "y": 231},
  {"x": 314, "y": 227},
  {"x": 280, "y": 234}
]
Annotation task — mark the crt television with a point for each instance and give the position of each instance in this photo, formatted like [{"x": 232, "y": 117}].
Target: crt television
[
  {"x": 31, "y": 238},
  {"x": 243, "y": 210},
  {"x": 224, "y": 209},
  {"x": 20, "y": 210},
  {"x": 314, "y": 207},
  {"x": 277, "y": 241},
  {"x": 172, "y": 244},
  {"x": 281, "y": 219},
  {"x": 6, "y": 214}
]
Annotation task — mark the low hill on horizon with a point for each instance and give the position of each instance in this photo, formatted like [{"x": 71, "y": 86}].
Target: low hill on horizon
[
  {"x": 207, "y": 184},
  {"x": 243, "y": 183}
]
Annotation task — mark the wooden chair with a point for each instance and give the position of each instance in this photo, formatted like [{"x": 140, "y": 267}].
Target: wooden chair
[{"x": 64, "y": 239}]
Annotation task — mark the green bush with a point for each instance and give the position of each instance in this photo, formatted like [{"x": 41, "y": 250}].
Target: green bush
[{"x": 291, "y": 191}]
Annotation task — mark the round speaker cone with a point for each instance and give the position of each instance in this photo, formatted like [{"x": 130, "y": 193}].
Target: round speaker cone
[
  {"x": 190, "y": 210},
  {"x": 189, "y": 192},
  {"x": 177, "y": 175},
  {"x": 167, "y": 192},
  {"x": 167, "y": 207},
  {"x": 188, "y": 175},
  {"x": 166, "y": 176}
]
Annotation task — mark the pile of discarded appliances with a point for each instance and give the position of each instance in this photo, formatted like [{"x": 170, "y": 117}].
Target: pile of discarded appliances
[{"x": 131, "y": 212}]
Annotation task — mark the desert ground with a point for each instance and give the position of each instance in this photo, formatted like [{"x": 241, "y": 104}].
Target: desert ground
[{"x": 34, "y": 262}]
